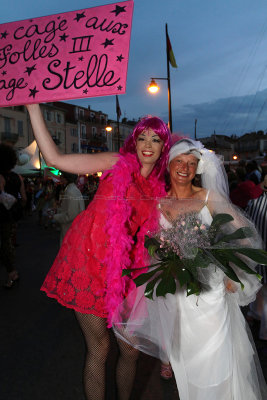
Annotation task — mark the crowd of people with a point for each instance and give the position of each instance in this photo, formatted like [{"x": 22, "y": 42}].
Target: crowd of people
[
  {"x": 248, "y": 190},
  {"x": 103, "y": 224},
  {"x": 12, "y": 201},
  {"x": 244, "y": 182},
  {"x": 45, "y": 195},
  {"x": 55, "y": 201}
]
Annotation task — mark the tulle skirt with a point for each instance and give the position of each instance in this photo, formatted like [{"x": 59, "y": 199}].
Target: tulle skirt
[{"x": 206, "y": 340}]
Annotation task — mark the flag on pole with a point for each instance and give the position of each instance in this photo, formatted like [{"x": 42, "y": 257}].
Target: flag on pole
[
  {"x": 170, "y": 52},
  {"x": 118, "y": 109}
]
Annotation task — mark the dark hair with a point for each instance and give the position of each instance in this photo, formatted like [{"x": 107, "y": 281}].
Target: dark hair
[
  {"x": 71, "y": 178},
  {"x": 251, "y": 166},
  {"x": 241, "y": 173},
  {"x": 8, "y": 158}
]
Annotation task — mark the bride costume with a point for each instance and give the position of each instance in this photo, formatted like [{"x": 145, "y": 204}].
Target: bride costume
[{"x": 205, "y": 338}]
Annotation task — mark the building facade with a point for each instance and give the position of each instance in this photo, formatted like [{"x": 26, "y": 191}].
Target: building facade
[
  {"x": 86, "y": 128},
  {"x": 251, "y": 145},
  {"x": 77, "y": 129},
  {"x": 14, "y": 126},
  {"x": 220, "y": 144},
  {"x": 119, "y": 133},
  {"x": 74, "y": 129}
]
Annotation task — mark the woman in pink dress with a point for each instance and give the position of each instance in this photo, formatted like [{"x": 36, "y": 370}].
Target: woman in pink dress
[{"x": 106, "y": 238}]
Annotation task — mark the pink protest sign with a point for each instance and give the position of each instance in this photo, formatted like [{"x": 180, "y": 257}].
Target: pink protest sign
[{"x": 65, "y": 56}]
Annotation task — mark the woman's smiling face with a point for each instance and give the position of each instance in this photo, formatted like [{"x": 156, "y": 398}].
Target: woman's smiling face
[
  {"x": 149, "y": 147},
  {"x": 183, "y": 168}
]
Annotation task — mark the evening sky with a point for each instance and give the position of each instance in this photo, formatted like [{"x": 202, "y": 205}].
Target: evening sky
[{"x": 220, "y": 48}]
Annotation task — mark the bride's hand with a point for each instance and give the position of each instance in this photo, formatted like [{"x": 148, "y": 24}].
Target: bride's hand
[{"x": 230, "y": 286}]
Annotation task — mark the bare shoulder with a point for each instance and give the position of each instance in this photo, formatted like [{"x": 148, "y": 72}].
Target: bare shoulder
[{"x": 200, "y": 193}]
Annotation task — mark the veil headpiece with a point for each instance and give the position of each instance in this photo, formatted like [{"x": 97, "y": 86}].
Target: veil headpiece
[{"x": 210, "y": 165}]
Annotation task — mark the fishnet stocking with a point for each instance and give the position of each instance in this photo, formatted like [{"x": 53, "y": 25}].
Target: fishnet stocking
[
  {"x": 126, "y": 368},
  {"x": 97, "y": 342}
]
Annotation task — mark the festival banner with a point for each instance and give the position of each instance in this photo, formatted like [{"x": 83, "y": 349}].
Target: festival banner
[{"x": 65, "y": 56}]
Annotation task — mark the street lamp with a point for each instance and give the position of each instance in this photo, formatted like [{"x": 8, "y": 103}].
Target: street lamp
[
  {"x": 154, "y": 88},
  {"x": 108, "y": 128}
]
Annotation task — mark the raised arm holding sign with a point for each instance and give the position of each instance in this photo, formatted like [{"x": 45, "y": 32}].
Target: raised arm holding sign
[{"x": 74, "y": 163}]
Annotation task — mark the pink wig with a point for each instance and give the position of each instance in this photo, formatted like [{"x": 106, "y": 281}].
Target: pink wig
[{"x": 161, "y": 129}]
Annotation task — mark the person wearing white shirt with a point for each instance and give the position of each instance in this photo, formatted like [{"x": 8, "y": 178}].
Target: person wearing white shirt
[{"x": 72, "y": 204}]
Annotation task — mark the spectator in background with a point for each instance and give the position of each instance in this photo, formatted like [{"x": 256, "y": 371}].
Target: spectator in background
[
  {"x": 253, "y": 173},
  {"x": 242, "y": 163},
  {"x": 72, "y": 203},
  {"x": 29, "y": 189},
  {"x": 232, "y": 180},
  {"x": 81, "y": 182},
  {"x": 264, "y": 166},
  {"x": 46, "y": 202},
  {"x": 38, "y": 192},
  {"x": 11, "y": 183},
  {"x": 245, "y": 190},
  {"x": 257, "y": 211},
  {"x": 89, "y": 188}
]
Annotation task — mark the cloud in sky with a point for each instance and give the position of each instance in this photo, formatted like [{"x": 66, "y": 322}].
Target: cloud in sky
[{"x": 233, "y": 115}]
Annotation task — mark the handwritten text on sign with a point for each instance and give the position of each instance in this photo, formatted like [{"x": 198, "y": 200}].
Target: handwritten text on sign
[{"x": 65, "y": 56}]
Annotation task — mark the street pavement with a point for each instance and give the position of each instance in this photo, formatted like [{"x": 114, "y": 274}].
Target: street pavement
[{"x": 41, "y": 345}]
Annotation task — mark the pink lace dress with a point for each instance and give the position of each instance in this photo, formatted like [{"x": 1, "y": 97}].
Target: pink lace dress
[{"x": 77, "y": 278}]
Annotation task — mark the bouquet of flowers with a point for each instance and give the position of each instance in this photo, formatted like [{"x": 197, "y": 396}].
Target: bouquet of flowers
[{"x": 188, "y": 245}]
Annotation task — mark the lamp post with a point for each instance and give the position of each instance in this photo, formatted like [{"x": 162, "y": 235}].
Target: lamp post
[
  {"x": 118, "y": 134},
  {"x": 154, "y": 88},
  {"x": 109, "y": 129}
]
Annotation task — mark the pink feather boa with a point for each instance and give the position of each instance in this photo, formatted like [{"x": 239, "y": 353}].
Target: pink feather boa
[{"x": 121, "y": 243}]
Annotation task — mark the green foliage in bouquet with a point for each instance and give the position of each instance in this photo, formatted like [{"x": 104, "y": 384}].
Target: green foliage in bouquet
[{"x": 188, "y": 245}]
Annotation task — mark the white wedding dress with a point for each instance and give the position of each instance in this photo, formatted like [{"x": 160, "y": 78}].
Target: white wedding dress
[{"x": 205, "y": 338}]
